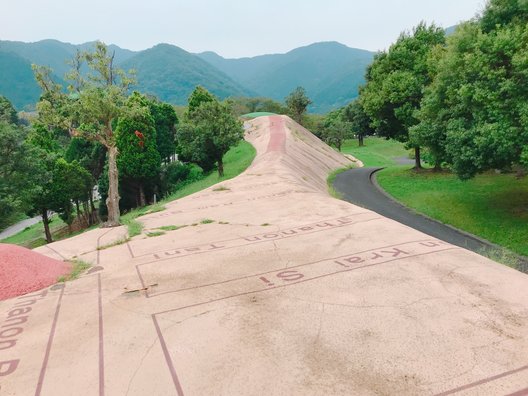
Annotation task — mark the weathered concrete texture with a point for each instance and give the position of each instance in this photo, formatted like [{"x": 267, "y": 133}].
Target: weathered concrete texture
[{"x": 287, "y": 292}]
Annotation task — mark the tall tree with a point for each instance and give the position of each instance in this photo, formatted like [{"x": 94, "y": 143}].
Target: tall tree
[
  {"x": 165, "y": 120},
  {"x": 213, "y": 131},
  {"x": 8, "y": 113},
  {"x": 139, "y": 159},
  {"x": 359, "y": 120},
  {"x": 297, "y": 103},
  {"x": 396, "y": 81},
  {"x": 198, "y": 96},
  {"x": 90, "y": 109}
]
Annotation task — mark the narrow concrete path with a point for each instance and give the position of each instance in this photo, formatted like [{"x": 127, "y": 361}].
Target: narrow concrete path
[
  {"x": 358, "y": 187},
  {"x": 16, "y": 228}
]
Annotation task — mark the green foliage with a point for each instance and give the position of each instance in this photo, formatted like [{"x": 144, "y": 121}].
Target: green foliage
[
  {"x": 8, "y": 113},
  {"x": 360, "y": 121},
  {"x": 297, "y": 103},
  {"x": 173, "y": 175},
  {"x": 396, "y": 81},
  {"x": 474, "y": 113},
  {"x": 212, "y": 132},
  {"x": 243, "y": 106},
  {"x": 138, "y": 160},
  {"x": 19, "y": 172},
  {"x": 335, "y": 129},
  {"x": 165, "y": 120},
  {"x": 199, "y": 96}
]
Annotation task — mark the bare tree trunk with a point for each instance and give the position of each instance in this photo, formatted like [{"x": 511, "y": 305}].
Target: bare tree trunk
[
  {"x": 112, "y": 202},
  {"x": 92, "y": 217},
  {"x": 45, "y": 220},
  {"x": 78, "y": 212},
  {"x": 361, "y": 143},
  {"x": 417, "y": 160},
  {"x": 142, "y": 200},
  {"x": 437, "y": 166},
  {"x": 220, "y": 167}
]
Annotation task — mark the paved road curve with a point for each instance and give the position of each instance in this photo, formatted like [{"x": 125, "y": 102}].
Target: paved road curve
[{"x": 357, "y": 187}]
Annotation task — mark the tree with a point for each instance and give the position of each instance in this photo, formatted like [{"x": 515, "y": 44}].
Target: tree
[
  {"x": 91, "y": 156},
  {"x": 297, "y": 103},
  {"x": 214, "y": 130},
  {"x": 90, "y": 109},
  {"x": 19, "y": 172},
  {"x": 337, "y": 132},
  {"x": 165, "y": 120},
  {"x": 359, "y": 120},
  {"x": 139, "y": 159},
  {"x": 474, "y": 113},
  {"x": 395, "y": 83},
  {"x": 8, "y": 113},
  {"x": 198, "y": 96}
]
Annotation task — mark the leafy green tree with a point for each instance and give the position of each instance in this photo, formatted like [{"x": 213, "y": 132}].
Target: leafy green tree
[
  {"x": 165, "y": 120},
  {"x": 198, "y": 96},
  {"x": 214, "y": 130},
  {"x": 19, "y": 172},
  {"x": 8, "y": 113},
  {"x": 90, "y": 109},
  {"x": 337, "y": 132},
  {"x": 359, "y": 120},
  {"x": 92, "y": 157},
  {"x": 396, "y": 81},
  {"x": 297, "y": 103},
  {"x": 139, "y": 159},
  {"x": 473, "y": 116}
]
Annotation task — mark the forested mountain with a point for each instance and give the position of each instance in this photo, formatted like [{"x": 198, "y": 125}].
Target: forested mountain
[
  {"x": 17, "y": 82},
  {"x": 330, "y": 72},
  {"x": 171, "y": 74}
]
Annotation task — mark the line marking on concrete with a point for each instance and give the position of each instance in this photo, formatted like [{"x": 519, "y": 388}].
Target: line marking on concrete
[
  {"x": 485, "y": 381},
  {"x": 48, "y": 346},
  {"x": 296, "y": 279},
  {"x": 101, "y": 339},
  {"x": 299, "y": 231},
  {"x": 168, "y": 359},
  {"x": 522, "y": 392}
]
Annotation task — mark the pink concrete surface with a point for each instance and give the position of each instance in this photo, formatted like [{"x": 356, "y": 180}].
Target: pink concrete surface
[
  {"x": 284, "y": 291},
  {"x": 24, "y": 271}
]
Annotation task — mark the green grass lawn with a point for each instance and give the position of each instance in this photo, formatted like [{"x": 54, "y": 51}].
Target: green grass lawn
[
  {"x": 492, "y": 206},
  {"x": 33, "y": 236},
  {"x": 376, "y": 151},
  {"x": 236, "y": 161},
  {"x": 257, "y": 114}
]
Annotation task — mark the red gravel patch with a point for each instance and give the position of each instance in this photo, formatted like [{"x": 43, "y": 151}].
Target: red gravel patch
[{"x": 23, "y": 271}]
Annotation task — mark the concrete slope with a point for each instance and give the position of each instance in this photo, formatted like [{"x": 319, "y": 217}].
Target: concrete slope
[{"x": 272, "y": 287}]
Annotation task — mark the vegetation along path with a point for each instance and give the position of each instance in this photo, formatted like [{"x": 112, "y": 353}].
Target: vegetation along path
[{"x": 359, "y": 187}]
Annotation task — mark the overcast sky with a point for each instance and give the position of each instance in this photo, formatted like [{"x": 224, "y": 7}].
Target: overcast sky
[{"x": 232, "y": 28}]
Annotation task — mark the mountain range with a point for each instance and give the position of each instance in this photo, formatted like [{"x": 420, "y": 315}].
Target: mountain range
[{"x": 329, "y": 71}]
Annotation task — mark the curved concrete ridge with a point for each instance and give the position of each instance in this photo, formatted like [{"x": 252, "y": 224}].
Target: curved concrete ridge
[{"x": 288, "y": 291}]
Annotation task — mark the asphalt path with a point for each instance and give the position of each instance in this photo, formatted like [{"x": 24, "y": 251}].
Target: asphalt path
[
  {"x": 359, "y": 187},
  {"x": 16, "y": 228}
]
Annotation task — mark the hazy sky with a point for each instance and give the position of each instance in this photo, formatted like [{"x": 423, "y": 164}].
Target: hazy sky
[{"x": 232, "y": 28}]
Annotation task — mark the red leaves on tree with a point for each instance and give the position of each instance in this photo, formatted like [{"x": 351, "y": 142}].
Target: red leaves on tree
[{"x": 141, "y": 138}]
